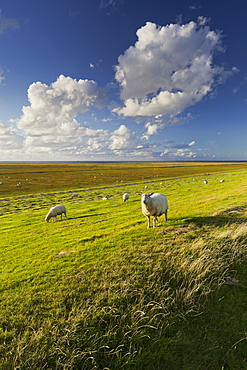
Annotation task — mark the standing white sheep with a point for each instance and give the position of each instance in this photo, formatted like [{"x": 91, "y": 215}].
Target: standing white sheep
[
  {"x": 126, "y": 197},
  {"x": 56, "y": 211},
  {"x": 154, "y": 204}
]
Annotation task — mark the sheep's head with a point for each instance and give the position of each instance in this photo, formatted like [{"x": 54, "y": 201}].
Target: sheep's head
[
  {"x": 47, "y": 217},
  {"x": 145, "y": 197}
]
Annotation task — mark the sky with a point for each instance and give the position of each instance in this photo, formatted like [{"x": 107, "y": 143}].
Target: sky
[{"x": 123, "y": 80}]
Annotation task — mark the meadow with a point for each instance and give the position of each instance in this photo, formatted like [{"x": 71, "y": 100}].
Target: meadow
[{"x": 100, "y": 290}]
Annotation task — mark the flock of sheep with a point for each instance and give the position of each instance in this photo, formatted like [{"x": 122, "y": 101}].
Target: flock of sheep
[{"x": 152, "y": 204}]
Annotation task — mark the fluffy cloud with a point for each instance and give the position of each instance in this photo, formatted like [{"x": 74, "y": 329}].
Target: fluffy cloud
[
  {"x": 157, "y": 123},
  {"x": 50, "y": 126},
  {"x": 53, "y": 108},
  {"x": 123, "y": 139},
  {"x": 169, "y": 69}
]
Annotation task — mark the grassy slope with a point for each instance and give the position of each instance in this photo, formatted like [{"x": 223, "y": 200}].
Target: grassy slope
[{"x": 126, "y": 297}]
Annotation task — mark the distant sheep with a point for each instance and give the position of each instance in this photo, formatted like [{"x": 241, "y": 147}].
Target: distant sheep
[
  {"x": 222, "y": 180},
  {"x": 56, "y": 211},
  {"x": 74, "y": 196},
  {"x": 205, "y": 181},
  {"x": 146, "y": 186},
  {"x": 105, "y": 198},
  {"x": 154, "y": 204},
  {"x": 126, "y": 196}
]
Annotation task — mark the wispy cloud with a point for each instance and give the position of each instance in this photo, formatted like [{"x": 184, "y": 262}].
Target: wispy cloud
[
  {"x": 195, "y": 7},
  {"x": 172, "y": 144},
  {"x": 7, "y": 23},
  {"x": 1, "y": 75},
  {"x": 110, "y": 6}
]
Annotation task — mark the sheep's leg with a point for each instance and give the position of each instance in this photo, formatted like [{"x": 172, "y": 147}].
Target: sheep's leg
[
  {"x": 148, "y": 218},
  {"x": 165, "y": 215},
  {"x": 155, "y": 220}
]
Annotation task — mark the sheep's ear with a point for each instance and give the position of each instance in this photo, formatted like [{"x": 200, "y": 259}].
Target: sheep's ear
[
  {"x": 150, "y": 194},
  {"x": 139, "y": 194}
]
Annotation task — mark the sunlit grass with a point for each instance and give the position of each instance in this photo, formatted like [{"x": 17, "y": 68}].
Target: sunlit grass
[{"x": 100, "y": 290}]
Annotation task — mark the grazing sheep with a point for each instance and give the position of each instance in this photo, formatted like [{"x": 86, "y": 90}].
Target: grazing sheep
[
  {"x": 205, "y": 181},
  {"x": 126, "y": 197},
  {"x": 154, "y": 204},
  {"x": 222, "y": 180},
  {"x": 146, "y": 186},
  {"x": 55, "y": 211},
  {"x": 74, "y": 196},
  {"x": 105, "y": 198}
]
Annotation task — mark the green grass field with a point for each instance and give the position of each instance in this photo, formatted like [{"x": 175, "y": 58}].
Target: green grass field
[{"x": 100, "y": 290}]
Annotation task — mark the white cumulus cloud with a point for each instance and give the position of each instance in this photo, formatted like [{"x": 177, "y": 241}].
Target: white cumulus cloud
[
  {"x": 169, "y": 69},
  {"x": 50, "y": 125},
  {"x": 123, "y": 139},
  {"x": 53, "y": 108}
]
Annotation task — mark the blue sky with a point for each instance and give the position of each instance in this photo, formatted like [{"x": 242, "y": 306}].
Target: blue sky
[{"x": 123, "y": 80}]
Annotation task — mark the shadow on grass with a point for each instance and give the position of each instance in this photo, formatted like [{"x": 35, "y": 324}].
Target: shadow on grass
[
  {"x": 218, "y": 221},
  {"x": 224, "y": 217},
  {"x": 85, "y": 216}
]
